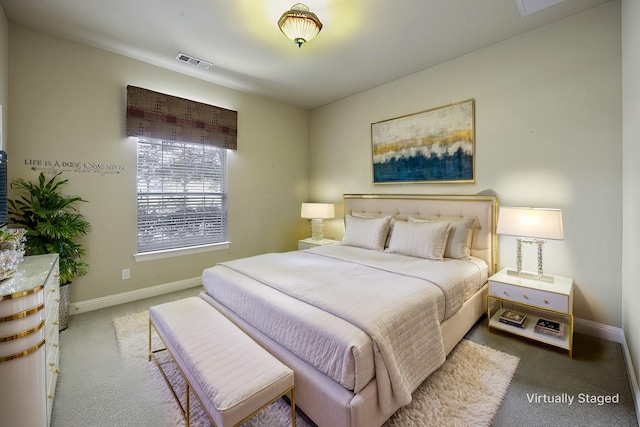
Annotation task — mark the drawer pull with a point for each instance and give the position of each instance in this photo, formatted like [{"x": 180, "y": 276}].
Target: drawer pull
[
  {"x": 52, "y": 364},
  {"x": 49, "y": 396},
  {"x": 545, "y": 301},
  {"x": 56, "y": 371},
  {"x": 55, "y": 344},
  {"x": 506, "y": 293},
  {"x": 525, "y": 297},
  {"x": 55, "y": 322}
]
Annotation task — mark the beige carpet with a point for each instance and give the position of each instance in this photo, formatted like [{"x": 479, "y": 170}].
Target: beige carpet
[{"x": 465, "y": 391}]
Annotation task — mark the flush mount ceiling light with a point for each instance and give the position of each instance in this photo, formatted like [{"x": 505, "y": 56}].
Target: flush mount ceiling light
[{"x": 299, "y": 24}]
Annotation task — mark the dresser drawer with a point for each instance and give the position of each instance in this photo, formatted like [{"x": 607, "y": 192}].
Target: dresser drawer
[
  {"x": 533, "y": 297},
  {"x": 29, "y": 342}
]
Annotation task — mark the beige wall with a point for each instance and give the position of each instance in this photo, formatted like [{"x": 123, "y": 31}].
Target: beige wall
[
  {"x": 548, "y": 114},
  {"x": 67, "y": 105},
  {"x": 4, "y": 73},
  {"x": 631, "y": 178}
]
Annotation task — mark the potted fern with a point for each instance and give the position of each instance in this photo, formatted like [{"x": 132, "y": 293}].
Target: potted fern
[{"x": 53, "y": 224}]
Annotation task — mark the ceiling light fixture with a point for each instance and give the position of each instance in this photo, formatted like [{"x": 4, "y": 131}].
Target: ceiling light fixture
[{"x": 299, "y": 24}]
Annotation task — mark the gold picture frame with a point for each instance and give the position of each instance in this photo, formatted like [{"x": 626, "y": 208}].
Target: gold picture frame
[{"x": 431, "y": 146}]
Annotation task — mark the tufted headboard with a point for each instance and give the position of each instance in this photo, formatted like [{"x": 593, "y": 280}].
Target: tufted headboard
[{"x": 482, "y": 207}]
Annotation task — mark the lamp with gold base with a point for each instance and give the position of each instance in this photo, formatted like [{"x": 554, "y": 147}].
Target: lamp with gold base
[{"x": 532, "y": 226}]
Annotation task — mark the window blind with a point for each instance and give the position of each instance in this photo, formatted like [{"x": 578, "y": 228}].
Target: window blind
[{"x": 181, "y": 195}]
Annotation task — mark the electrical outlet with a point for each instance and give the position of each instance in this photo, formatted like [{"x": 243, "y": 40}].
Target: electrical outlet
[{"x": 126, "y": 274}]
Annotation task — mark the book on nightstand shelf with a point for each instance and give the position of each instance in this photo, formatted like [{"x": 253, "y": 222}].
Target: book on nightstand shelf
[
  {"x": 548, "y": 327},
  {"x": 513, "y": 318}
]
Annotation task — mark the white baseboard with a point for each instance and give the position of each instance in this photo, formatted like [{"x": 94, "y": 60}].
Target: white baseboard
[
  {"x": 614, "y": 334},
  {"x": 125, "y": 297},
  {"x": 600, "y": 330},
  {"x": 633, "y": 382}
]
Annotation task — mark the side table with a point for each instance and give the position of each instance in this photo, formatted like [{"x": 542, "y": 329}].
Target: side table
[
  {"x": 536, "y": 299},
  {"x": 311, "y": 243}
]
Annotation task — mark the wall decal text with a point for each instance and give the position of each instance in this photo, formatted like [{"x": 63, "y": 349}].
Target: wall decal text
[{"x": 57, "y": 166}]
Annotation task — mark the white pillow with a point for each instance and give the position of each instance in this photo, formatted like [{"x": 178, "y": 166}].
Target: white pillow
[
  {"x": 424, "y": 239},
  {"x": 366, "y": 215},
  {"x": 368, "y": 233},
  {"x": 392, "y": 221},
  {"x": 459, "y": 241}
]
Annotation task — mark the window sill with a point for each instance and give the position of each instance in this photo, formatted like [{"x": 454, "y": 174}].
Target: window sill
[{"x": 170, "y": 253}]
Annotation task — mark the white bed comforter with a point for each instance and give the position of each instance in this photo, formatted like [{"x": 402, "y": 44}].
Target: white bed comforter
[{"x": 396, "y": 300}]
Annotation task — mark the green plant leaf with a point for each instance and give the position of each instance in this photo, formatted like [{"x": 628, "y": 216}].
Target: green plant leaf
[{"x": 52, "y": 221}]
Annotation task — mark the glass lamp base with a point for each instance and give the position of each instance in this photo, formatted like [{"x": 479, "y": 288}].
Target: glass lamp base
[
  {"x": 317, "y": 229},
  {"x": 519, "y": 272}
]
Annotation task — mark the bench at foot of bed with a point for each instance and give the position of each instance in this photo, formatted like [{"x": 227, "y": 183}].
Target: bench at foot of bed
[{"x": 232, "y": 376}]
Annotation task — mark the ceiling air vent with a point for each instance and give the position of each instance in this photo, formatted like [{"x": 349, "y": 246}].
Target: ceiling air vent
[{"x": 193, "y": 61}]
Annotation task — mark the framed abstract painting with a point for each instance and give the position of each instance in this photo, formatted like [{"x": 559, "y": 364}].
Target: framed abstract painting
[{"x": 432, "y": 146}]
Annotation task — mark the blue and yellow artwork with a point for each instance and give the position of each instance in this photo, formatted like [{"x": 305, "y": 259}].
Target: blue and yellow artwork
[{"x": 436, "y": 145}]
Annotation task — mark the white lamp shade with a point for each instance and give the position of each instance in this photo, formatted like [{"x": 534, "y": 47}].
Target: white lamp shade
[
  {"x": 537, "y": 223},
  {"x": 317, "y": 211}
]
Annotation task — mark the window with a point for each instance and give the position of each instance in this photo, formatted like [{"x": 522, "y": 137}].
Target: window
[{"x": 182, "y": 195}]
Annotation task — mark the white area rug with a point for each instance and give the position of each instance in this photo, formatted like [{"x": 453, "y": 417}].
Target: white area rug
[{"x": 465, "y": 391}]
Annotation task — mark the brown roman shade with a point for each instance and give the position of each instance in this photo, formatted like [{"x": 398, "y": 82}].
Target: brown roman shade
[{"x": 156, "y": 115}]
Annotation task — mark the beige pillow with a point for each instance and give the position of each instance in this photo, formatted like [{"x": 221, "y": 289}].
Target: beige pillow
[
  {"x": 459, "y": 241},
  {"x": 368, "y": 233},
  {"x": 423, "y": 239},
  {"x": 392, "y": 221},
  {"x": 366, "y": 215}
]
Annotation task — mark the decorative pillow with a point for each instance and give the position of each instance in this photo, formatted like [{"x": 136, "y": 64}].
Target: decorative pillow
[
  {"x": 366, "y": 215},
  {"x": 368, "y": 233},
  {"x": 423, "y": 239},
  {"x": 392, "y": 221},
  {"x": 459, "y": 241}
]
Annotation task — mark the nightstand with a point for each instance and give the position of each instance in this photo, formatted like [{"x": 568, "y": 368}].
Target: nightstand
[
  {"x": 310, "y": 243},
  {"x": 537, "y": 300}
]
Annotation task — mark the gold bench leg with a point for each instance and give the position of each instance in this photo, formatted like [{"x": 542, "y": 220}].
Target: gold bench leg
[
  {"x": 188, "y": 414},
  {"x": 186, "y": 410},
  {"x": 293, "y": 407},
  {"x": 152, "y": 356}
]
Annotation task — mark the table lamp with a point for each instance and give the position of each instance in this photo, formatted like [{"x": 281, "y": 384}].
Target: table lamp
[
  {"x": 530, "y": 225},
  {"x": 316, "y": 212}
]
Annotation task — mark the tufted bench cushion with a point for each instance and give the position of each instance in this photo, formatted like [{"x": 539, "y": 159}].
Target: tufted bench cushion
[{"x": 233, "y": 377}]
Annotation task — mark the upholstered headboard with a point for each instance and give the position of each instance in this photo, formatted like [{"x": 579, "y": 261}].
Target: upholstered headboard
[{"x": 482, "y": 207}]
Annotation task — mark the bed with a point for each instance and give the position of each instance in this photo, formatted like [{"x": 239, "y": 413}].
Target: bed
[{"x": 364, "y": 322}]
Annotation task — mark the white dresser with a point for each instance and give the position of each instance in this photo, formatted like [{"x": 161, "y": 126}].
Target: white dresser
[{"x": 29, "y": 346}]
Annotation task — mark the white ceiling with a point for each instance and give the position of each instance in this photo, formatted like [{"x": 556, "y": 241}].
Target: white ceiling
[{"x": 364, "y": 43}]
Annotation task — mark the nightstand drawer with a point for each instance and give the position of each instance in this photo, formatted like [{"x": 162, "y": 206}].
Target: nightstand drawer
[{"x": 533, "y": 297}]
